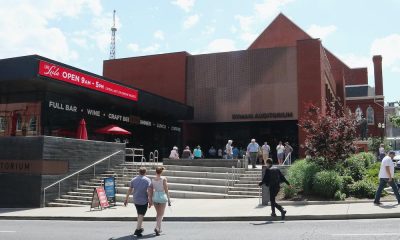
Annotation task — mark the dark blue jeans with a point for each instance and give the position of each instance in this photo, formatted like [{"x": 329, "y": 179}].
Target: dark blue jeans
[{"x": 382, "y": 184}]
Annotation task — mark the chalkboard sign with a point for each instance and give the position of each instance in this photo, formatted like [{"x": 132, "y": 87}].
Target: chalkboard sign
[
  {"x": 109, "y": 187},
  {"x": 99, "y": 199}
]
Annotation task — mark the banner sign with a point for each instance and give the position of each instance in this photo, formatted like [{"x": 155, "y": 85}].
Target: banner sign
[
  {"x": 99, "y": 199},
  {"x": 109, "y": 187},
  {"x": 84, "y": 80}
]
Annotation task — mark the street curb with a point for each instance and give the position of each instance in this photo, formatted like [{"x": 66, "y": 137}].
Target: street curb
[{"x": 211, "y": 219}]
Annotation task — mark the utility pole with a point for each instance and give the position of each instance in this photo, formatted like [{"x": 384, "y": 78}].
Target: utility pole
[{"x": 112, "y": 45}]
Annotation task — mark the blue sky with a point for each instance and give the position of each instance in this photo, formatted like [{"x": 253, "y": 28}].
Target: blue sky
[{"x": 77, "y": 32}]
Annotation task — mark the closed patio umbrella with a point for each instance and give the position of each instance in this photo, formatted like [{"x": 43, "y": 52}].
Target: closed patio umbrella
[{"x": 82, "y": 131}]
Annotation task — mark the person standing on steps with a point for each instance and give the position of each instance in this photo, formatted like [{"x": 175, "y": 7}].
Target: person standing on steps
[
  {"x": 265, "y": 152},
  {"x": 229, "y": 150},
  {"x": 252, "y": 152},
  {"x": 140, "y": 186},
  {"x": 273, "y": 178},
  {"x": 280, "y": 152},
  {"x": 160, "y": 196}
]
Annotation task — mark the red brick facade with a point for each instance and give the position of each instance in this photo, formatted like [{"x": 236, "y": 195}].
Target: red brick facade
[
  {"x": 321, "y": 76},
  {"x": 164, "y": 74}
]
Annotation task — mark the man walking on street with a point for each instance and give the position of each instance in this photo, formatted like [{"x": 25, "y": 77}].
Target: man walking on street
[
  {"x": 273, "y": 178},
  {"x": 252, "y": 151},
  {"x": 386, "y": 175},
  {"x": 140, "y": 185}
]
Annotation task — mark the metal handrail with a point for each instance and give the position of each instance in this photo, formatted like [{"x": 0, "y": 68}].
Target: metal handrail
[
  {"x": 77, "y": 173},
  {"x": 288, "y": 159},
  {"x": 156, "y": 156}
]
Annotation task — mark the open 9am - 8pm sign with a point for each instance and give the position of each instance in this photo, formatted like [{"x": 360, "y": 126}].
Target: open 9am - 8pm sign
[{"x": 57, "y": 72}]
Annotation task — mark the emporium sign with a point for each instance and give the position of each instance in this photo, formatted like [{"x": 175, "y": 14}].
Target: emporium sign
[{"x": 84, "y": 80}]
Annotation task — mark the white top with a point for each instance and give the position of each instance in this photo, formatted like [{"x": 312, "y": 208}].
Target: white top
[
  {"x": 265, "y": 149},
  {"x": 381, "y": 150},
  {"x": 280, "y": 149},
  {"x": 386, "y": 161},
  {"x": 174, "y": 154},
  {"x": 228, "y": 149},
  {"x": 158, "y": 184}
]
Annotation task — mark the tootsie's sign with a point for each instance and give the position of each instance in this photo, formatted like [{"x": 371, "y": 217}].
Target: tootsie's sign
[{"x": 83, "y": 80}]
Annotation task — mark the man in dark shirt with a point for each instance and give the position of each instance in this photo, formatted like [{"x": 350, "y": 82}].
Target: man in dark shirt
[{"x": 273, "y": 178}]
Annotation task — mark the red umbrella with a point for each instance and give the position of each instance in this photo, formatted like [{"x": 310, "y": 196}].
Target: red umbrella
[
  {"x": 113, "y": 129},
  {"x": 82, "y": 132}
]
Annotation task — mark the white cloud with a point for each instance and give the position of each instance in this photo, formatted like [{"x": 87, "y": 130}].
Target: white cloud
[
  {"x": 389, "y": 48},
  {"x": 233, "y": 29},
  {"x": 151, "y": 49},
  {"x": 134, "y": 47},
  {"x": 209, "y": 30},
  {"x": 321, "y": 32},
  {"x": 269, "y": 8},
  {"x": 31, "y": 29},
  {"x": 356, "y": 61},
  {"x": 220, "y": 45},
  {"x": 262, "y": 11},
  {"x": 245, "y": 22},
  {"x": 191, "y": 21},
  {"x": 186, "y": 5},
  {"x": 159, "y": 34},
  {"x": 396, "y": 69}
]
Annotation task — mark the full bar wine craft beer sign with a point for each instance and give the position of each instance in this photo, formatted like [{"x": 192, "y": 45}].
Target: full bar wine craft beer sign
[{"x": 84, "y": 80}]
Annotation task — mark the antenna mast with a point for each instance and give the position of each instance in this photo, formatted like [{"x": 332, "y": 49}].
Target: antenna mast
[{"x": 112, "y": 45}]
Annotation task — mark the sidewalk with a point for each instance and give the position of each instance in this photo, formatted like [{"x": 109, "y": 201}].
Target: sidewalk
[{"x": 214, "y": 210}]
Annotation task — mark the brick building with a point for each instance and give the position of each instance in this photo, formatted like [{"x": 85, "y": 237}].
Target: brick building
[{"x": 259, "y": 92}]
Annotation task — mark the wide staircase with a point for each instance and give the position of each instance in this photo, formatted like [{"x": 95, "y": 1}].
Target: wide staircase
[{"x": 202, "y": 182}]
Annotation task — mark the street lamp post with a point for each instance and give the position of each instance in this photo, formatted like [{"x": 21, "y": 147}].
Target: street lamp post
[{"x": 381, "y": 127}]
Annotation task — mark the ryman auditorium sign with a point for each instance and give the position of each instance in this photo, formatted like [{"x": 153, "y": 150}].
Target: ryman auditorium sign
[{"x": 276, "y": 115}]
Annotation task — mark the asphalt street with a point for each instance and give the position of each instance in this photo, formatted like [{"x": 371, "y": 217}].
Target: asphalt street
[{"x": 310, "y": 230}]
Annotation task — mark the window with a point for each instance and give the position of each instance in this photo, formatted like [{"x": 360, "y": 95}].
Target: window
[
  {"x": 358, "y": 114},
  {"x": 370, "y": 116},
  {"x": 19, "y": 122},
  {"x": 32, "y": 124},
  {"x": 3, "y": 124}
]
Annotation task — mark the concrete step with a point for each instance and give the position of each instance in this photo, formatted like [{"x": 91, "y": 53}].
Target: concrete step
[
  {"x": 186, "y": 174},
  {"x": 189, "y": 180},
  {"x": 77, "y": 197},
  {"x": 187, "y": 188},
  {"x": 241, "y": 196},
  {"x": 54, "y": 204},
  {"x": 72, "y": 201},
  {"x": 119, "y": 168},
  {"x": 247, "y": 193}
]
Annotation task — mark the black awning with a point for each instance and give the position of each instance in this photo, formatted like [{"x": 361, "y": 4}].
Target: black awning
[{"x": 20, "y": 75}]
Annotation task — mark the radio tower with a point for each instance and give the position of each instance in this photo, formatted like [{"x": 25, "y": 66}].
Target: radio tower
[{"x": 112, "y": 45}]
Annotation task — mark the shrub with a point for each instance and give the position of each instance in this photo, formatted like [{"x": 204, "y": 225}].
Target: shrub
[
  {"x": 372, "y": 173},
  {"x": 355, "y": 166},
  {"x": 368, "y": 158},
  {"x": 329, "y": 134},
  {"x": 327, "y": 183},
  {"x": 363, "y": 189},
  {"x": 289, "y": 192},
  {"x": 301, "y": 175},
  {"x": 347, "y": 182},
  {"x": 339, "y": 196}
]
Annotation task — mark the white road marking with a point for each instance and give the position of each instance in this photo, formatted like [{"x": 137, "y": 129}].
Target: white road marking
[
  {"x": 366, "y": 234},
  {"x": 7, "y": 231}
]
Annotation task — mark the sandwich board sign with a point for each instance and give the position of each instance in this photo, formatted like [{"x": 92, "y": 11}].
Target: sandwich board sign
[
  {"x": 109, "y": 187},
  {"x": 99, "y": 199}
]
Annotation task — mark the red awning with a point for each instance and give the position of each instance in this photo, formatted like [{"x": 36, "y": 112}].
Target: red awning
[{"x": 114, "y": 130}]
